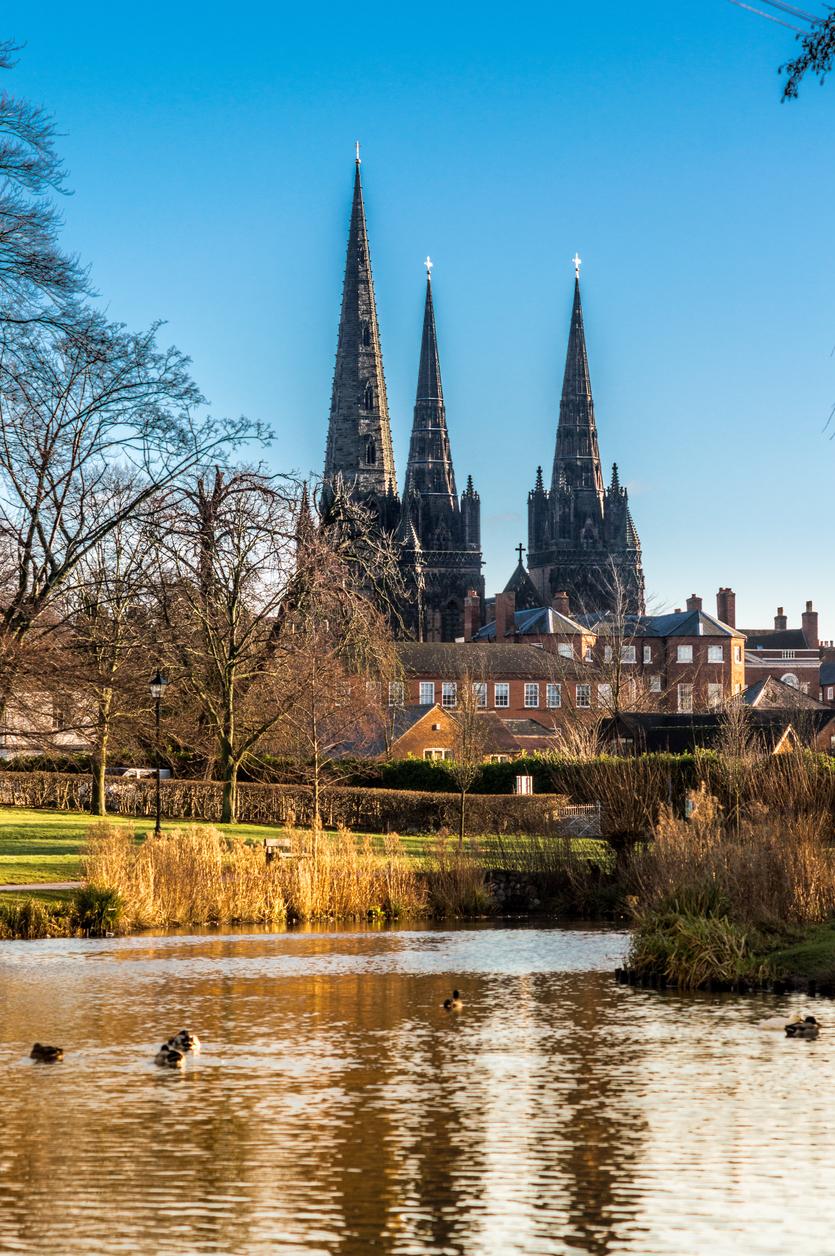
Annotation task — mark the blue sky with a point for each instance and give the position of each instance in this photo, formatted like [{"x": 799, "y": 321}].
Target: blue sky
[{"x": 210, "y": 151}]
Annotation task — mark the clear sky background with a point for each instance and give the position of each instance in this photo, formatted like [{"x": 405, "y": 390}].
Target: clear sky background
[{"x": 210, "y": 150}]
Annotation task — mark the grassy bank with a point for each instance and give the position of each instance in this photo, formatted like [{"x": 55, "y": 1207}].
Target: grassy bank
[{"x": 727, "y": 902}]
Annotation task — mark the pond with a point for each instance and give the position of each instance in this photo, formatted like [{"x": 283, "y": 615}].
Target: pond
[{"x": 336, "y": 1108}]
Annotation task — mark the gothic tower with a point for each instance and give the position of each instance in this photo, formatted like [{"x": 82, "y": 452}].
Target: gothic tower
[
  {"x": 581, "y": 537},
  {"x": 359, "y": 447},
  {"x": 442, "y": 531}
]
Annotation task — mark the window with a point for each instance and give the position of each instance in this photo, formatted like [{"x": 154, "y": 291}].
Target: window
[
  {"x": 501, "y": 694},
  {"x": 553, "y": 696},
  {"x": 647, "y": 653},
  {"x": 604, "y": 695},
  {"x": 627, "y": 654},
  {"x": 449, "y": 693},
  {"x": 480, "y": 693},
  {"x": 685, "y": 698},
  {"x": 715, "y": 654},
  {"x": 565, "y": 650},
  {"x": 830, "y": 693},
  {"x": 427, "y": 693},
  {"x": 684, "y": 654},
  {"x": 371, "y": 453},
  {"x": 589, "y": 656},
  {"x": 714, "y": 693},
  {"x": 737, "y": 653},
  {"x": 531, "y": 695},
  {"x": 368, "y": 398},
  {"x": 435, "y": 752},
  {"x": 790, "y": 679},
  {"x": 655, "y": 683},
  {"x": 396, "y": 692},
  {"x": 498, "y": 758},
  {"x": 366, "y": 334},
  {"x": 607, "y": 654},
  {"x": 584, "y": 696}
]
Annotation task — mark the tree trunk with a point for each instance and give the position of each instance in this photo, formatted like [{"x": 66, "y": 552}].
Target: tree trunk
[
  {"x": 462, "y": 804},
  {"x": 98, "y": 794},
  {"x": 229, "y": 806}
]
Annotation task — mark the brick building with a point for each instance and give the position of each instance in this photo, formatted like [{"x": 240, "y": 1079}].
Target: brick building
[{"x": 791, "y": 655}]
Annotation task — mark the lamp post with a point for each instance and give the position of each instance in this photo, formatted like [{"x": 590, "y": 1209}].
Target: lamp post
[{"x": 157, "y": 687}]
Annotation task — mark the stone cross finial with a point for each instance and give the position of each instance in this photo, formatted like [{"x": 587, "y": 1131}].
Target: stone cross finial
[
  {"x": 428, "y": 264},
  {"x": 578, "y": 261},
  {"x": 520, "y": 549}
]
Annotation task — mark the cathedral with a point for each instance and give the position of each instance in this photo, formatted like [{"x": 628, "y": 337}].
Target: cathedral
[
  {"x": 439, "y": 532},
  {"x": 583, "y": 549}
]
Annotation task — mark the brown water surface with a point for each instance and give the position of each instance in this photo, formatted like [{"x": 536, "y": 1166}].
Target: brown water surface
[{"x": 336, "y": 1108}]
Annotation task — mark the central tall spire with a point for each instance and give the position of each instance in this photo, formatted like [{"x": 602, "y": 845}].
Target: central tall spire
[
  {"x": 429, "y": 469},
  {"x": 359, "y": 444},
  {"x": 577, "y": 456}
]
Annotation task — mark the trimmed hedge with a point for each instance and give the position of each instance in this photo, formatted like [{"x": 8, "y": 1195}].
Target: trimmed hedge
[{"x": 364, "y": 810}]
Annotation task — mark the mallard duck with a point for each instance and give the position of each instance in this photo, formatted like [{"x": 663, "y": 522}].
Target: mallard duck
[
  {"x": 455, "y": 1003},
  {"x": 46, "y": 1055},
  {"x": 806, "y": 1028},
  {"x": 169, "y": 1057},
  {"x": 184, "y": 1041}
]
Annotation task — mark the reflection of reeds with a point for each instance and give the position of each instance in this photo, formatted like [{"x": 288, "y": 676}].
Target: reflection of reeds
[{"x": 198, "y": 875}]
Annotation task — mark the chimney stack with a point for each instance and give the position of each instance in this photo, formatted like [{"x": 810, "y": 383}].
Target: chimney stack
[
  {"x": 694, "y": 603},
  {"x": 560, "y": 603},
  {"x": 781, "y": 623},
  {"x": 726, "y": 607},
  {"x": 505, "y": 616},
  {"x": 810, "y": 626},
  {"x": 472, "y": 614}
]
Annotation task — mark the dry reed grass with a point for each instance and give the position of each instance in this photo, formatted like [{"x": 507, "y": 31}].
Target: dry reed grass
[
  {"x": 198, "y": 875},
  {"x": 770, "y": 872}
]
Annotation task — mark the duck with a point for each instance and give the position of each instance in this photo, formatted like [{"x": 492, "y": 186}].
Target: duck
[
  {"x": 806, "y": 1028},
  {"x": 185, "y": 1041},
  {"x": 169, "y": 1057},
  {"x": 455, "y": 1003},
  {"x": 46, "y": 1055}
]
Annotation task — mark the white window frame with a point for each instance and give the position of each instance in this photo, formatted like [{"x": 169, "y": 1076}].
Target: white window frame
[
  {"x": 715, "y": 654},
  {"x": 531, "y": 695},
  {"x": 737, "y": 653},
  {"x": 607, "y": 654},
  {"x": 684, "y": 703},
  {"x": 426, "y": 693},
  {"x": 553, "y": 696},
  {"x": 583, "y": 697},
  {"x": 449, "y": 694},
  {"x": 604, "y": 695},
  {"x": 715, "y": 693},
  {"x": 628, "y": 654},
  {"x": 684, "y": 654},
  {"x": 565, "y": 650},
  {"x": 397, "y": 693},
  {"x": 830, "y": 692},
  {"x": 438, "y": 753},
  {"x": 480, "y": 693},
  {"x": 501, "y": 695},
  {"x": 655, "y": 683},
  {"x": 647, "y": 653}
]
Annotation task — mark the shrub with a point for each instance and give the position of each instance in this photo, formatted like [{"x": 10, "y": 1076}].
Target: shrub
[
  {"x": 690, "y": 950},
  {"x": 31, "y": 919},
  {"x": 97, "y": 909}
]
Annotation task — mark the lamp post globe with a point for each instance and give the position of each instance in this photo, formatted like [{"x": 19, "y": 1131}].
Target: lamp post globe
[{"x": 157, "y": 686}]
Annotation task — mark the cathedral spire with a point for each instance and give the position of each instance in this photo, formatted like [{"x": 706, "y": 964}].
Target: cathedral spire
[
  {"x": 359, "y": 444},
  {"x": 577, "y": 457},
  {"x": 430, "y": 470}
]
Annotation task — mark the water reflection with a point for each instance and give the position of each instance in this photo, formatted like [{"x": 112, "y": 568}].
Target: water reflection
[{"x": 337, "y": 1109}]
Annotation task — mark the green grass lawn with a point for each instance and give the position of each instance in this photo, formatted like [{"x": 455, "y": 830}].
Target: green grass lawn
[
  {"x": 37, "y": 846},
  {"x": 814, "y": 956}
]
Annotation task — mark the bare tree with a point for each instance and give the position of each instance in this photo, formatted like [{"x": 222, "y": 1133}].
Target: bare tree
[
  {"x": 74, "y": 406},
  {"x": 38, "y": 281},
  {"x": 469, "y": 745}
]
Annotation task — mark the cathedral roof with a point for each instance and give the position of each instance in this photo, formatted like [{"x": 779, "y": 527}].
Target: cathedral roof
[
  {"x": 429, "y": 470},
  {"x": 577, "y": 456},
  {"x": 520, "y": 583}
]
